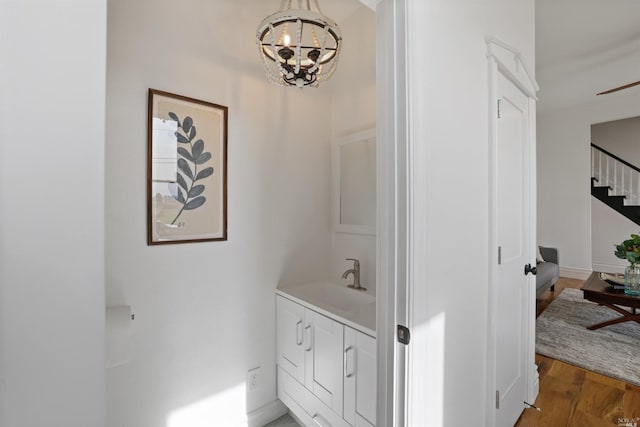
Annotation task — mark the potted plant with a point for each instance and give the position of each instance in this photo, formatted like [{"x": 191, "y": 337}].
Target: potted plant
[{"x": 630, "y": 250}]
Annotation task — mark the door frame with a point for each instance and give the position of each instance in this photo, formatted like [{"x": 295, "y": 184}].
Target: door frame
[
  {"x": 505, "y": 60},
  {"x": 392, "y": 209},
  {"x": 393, "y": 205}
]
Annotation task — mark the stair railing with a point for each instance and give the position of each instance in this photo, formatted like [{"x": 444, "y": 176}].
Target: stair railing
[{"x": 622, "y": 178}]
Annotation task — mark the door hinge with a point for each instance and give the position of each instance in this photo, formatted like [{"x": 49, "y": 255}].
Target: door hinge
[
  {"x": 497, "y": 399},
  {"x": 499, "y": 255},
  {"x": 404, "y": 336},
  {"x": 499, "y": 116}
]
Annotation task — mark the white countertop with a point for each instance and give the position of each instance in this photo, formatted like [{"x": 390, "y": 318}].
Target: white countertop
[{"x": 351, "y": 307}]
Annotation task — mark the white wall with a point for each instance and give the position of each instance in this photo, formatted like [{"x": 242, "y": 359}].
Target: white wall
[
  {"x": 449, "y": 167},
  {"x": 564, "y": 193},
  {"x": 609, "y": 229},
  {"x": 620, "y": 137},
  {"x": 52, "y": 99},
  {"x": 353, "y": 109},
  {"x": 205, "y": 312}
]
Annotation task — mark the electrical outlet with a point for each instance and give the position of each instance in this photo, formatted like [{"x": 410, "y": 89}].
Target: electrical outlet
[{"x": 253, "y": 379}]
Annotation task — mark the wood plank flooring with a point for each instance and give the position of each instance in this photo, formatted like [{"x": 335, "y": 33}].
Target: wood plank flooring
[{"x": 572, "y": 396}]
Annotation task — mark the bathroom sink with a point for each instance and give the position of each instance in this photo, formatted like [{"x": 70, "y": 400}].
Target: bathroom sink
[
  {"x": 332, "y": 295},
  {"x": 349, "y": 304}
]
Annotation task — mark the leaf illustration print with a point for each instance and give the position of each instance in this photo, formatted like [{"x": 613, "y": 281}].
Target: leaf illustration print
[{"x": 191, "y": 158}]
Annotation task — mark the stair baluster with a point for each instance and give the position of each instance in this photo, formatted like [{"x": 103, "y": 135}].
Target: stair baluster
[{"x": 611, "y": 185}]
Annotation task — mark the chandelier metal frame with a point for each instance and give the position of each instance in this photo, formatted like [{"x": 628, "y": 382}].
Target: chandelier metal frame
[{"x": 299, "y": 46}]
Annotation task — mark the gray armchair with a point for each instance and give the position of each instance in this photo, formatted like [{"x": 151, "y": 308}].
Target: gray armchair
[{"x": 548, "y": 271}]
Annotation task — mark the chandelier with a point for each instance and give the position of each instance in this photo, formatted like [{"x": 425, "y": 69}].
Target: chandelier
[{"x": 299, "y": 46}]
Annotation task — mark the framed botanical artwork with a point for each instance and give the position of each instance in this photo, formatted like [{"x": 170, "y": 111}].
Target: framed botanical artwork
[{"x": 186, "y": 170}]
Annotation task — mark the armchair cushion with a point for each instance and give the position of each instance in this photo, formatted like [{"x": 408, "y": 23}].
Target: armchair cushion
[{"x": 548, "y": 271}]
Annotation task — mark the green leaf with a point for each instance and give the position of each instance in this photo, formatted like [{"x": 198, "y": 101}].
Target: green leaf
[
  {"x": 174, "y": 117},
  {"x": 181, "y": 182},
  {"x": 196, "y": 190},
  {"x": 186, "y": 125},
  {"x": 184, "y": 153},
  {"x": 192, "y": 133},
  {"x": 198, "y": 148},
  {"x": 181, "y": 138},
  {"x": 184, "y": 167},
  {"x": 195, "y": 203},
  {"x": 204, "y": 173},
  {"x": 179, "y": 197},
  {"x": 203, "y": 158}
]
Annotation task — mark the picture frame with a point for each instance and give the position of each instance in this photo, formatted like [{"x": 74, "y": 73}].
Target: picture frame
[{"x": 186, "y": 169}]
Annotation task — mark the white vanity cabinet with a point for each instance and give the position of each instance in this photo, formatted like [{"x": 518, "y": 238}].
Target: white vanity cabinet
[
  {"x": 326, "y": 370},
  {"x": 323, "y": 361},
  {"x": 290, "y": 337},
  {"x": 359, "y": 378}
]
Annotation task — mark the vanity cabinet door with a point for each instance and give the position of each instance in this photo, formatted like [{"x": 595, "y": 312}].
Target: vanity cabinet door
[
  {"x": 359, "y": 378},
  {"x": 324, "y": 339},
  {"x": 290, "y": 337}
]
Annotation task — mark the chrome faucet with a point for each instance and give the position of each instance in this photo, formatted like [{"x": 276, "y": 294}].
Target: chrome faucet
[{"x": 356, "y": 275}]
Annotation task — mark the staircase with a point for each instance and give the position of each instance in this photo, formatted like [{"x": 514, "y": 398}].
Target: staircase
[{"x": 616, "y": 183}]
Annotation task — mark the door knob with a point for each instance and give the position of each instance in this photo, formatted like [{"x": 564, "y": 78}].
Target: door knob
[{"x": 528, "y": 269}]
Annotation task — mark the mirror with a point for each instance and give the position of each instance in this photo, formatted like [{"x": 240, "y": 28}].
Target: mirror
[{"x": 354, "y": 183}]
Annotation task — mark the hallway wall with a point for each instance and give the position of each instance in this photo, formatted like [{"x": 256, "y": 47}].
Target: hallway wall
[
  {"x": 52, "y": 106},
  {"x": 205, "y": 312}
]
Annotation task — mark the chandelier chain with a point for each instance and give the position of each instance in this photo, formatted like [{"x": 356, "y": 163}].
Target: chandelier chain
[
  {"x": 299, "y": 45},
  {"x": 318, "y": 7}
]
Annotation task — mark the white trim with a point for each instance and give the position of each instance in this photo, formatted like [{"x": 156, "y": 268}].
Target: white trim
[
  {"x": 529, "y": 85},
  {"x": 533, "y": 378},
  {"x": 496, "y": 67},
  {"x": 535, "y": 388},
  {"x": 267, "y": 413},
  {"x": 391, "y": 232},
  {"x": 371, "y": 4},
  {"x": 607, "y": 268},
  {"x": 575, "y": 273},
  {"x": 336, "y": 167},
  {"x": 492, "y": 73}
]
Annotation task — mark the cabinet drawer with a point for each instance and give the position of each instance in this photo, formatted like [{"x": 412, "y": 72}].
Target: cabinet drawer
[{"x": 308, "y": 408}]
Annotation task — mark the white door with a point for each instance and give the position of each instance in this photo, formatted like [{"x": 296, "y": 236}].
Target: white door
[
  {"x": 513, "y": 221},
  {"x": 323, "y": 359},
  {"x": 290, "y": 337}
]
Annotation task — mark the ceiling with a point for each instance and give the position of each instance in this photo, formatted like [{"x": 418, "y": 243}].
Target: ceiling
[
  {"x": 339, "y": 10},
  {"x": 584, "y": 47}
]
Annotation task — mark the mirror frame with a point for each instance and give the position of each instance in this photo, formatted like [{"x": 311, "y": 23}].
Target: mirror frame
[{"x": 335, "y": 178}]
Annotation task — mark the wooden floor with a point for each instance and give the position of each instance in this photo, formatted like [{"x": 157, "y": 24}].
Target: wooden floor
[{"x": 571, "y": 396}]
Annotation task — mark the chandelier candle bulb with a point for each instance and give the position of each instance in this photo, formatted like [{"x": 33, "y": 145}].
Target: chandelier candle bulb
[{"x": 302, "y": 60}]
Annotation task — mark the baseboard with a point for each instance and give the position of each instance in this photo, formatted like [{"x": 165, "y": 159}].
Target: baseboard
[
  {"x": 535, "y": 387},
  {"x": 575, "y": 273},
  {"x": 266, "y": 414},
  {"x": 608, "y": 268}
]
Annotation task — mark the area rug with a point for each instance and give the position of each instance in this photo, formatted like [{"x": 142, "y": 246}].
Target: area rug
[{"x": 562, "y": 334}]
